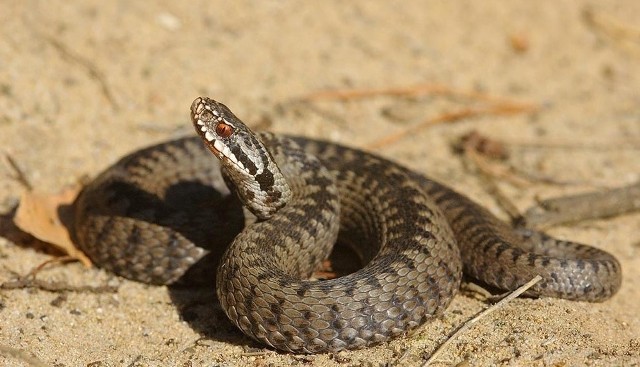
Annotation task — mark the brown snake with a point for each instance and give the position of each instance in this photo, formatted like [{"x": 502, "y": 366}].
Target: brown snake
[{"x": 159, "y": 211}]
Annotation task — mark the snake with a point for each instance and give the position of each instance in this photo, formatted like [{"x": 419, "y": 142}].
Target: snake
[{"x": 257, "y": 213}]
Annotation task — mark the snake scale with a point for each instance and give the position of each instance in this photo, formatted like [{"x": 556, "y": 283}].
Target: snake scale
[{"x": 160, "y": 212}]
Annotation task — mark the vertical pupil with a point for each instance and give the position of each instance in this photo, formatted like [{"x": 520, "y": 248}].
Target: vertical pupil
[{"x": 223, "y": 130}]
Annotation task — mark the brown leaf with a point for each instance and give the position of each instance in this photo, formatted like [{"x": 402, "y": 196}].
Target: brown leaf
[{"x": 40, "y": 215}]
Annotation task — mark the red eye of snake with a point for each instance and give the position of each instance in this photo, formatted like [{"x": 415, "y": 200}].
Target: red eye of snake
[{"x": 224, "y": 130}]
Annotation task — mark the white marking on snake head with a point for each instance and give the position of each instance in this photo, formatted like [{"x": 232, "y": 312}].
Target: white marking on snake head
[
  {"x": 204, "y": 129},
  {"x": 209, "y": 136},
  {"x": 200, "y": 122},
  {"x": 226, "y": 152},
  {"x": 199, "y": 108}
]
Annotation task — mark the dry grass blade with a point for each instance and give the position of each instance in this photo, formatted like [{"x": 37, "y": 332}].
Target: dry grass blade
[
  {"x": 86, "y": 64},
  {"x": 625, "y": 35},
  {"x": 407, "y": 91},
  {"x": 480, "y": 316},
  {"x": 492, "y": 105},
  {"x": 19, "y": 175},
  {"x": 499, "y": 109},
  {"x": 591, "y": 205}
]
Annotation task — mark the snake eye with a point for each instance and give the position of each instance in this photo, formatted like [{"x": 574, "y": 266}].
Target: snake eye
[{"x": 223, "y": 130}]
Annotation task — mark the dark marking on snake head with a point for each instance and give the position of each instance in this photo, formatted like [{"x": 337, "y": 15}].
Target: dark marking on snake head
[{"x": 266, "y": 180}]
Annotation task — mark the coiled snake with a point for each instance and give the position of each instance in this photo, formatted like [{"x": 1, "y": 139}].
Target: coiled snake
[{"x": 159, "y": 211}]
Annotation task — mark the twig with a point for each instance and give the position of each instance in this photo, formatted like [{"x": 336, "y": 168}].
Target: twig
[
  {"x": 610, "y": 25},
  {"x": 402, "y": 357},
  {"x": 624, "y": 35},
  {"x": 259, "y": 353},
  {"x": 57, "y": 260},
  {"x": 407, "y": 91},
  {"x": 619, "y": 144},
  {"x": 22, "y": 355},
  {"x": 476, "y": 149},
  {"x": 492, "y": 188},
  {"x": 480, "y": 316},
  {"x": 30, "y": 281},
  {"x": 499, "y": 109},
  {"x": 19, "y": 175},
  {"x": 91, "y": 69},
  {"x": 592, "y": 205},
  {"x": 56, "y": 287}
]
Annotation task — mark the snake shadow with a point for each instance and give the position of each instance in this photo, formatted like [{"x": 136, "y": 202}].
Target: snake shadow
[
  {"x": 215, "y": 218},
  {"x": 194, "y": 294},
  {"x": 197, "y": 304}
]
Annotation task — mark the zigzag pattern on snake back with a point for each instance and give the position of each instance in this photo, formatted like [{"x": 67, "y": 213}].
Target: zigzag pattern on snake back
[{"x": 160, "y": 211}]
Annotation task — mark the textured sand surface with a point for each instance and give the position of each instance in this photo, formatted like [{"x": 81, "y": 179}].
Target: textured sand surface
[{"x": 83, "y": 83}]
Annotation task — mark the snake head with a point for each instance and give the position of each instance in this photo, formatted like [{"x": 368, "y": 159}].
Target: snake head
[
  {"x": 245, "y": 160},
  {"x": 221, "y": 131}
]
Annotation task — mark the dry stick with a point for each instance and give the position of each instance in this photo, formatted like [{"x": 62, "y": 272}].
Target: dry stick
[
  {"x": 620, "y": 144},
  {"x": 612, "y": 26},
  {"x": 57, "y": 260},
  {"x": 93, "y": 71},
  {"x": 409, "y": 91},
  {"x": 624, "y": 35},
  {"x": 19, "y": 175},
  {"x": 56, "y": 287},
  {"x": 491, "y": 187},
  {"x": 592, "y": 205},
  {"x": 501, "y": 105},
  {"x": 499, "y": 109},
  {"x": 402, "y": 357},
  {"x": 493, "y": 170},
  {"x": 259, "y": 353},
  {"x": 481, "y": 315},
  {"x": 30, "y": 281}
]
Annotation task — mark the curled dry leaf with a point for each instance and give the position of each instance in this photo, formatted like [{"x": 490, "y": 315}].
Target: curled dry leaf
[{"x": 46, "y": 217}]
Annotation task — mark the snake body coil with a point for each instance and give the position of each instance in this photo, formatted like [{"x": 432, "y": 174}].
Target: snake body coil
[{"x": 160, "y": 211}]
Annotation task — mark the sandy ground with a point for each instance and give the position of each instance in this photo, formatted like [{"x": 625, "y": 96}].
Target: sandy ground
[{"x": 82, "y": 84}]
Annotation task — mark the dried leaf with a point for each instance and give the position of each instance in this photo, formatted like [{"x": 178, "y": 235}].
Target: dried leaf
[{"x": 39, "y": 214}]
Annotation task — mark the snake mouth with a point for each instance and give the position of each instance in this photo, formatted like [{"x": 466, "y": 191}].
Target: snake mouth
[
  {"x": 220, "y": 149},
  {"x": 222, "y": 152}
]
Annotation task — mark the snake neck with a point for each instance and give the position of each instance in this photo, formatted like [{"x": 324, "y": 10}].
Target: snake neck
[{"x": 264, "y": 192}]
